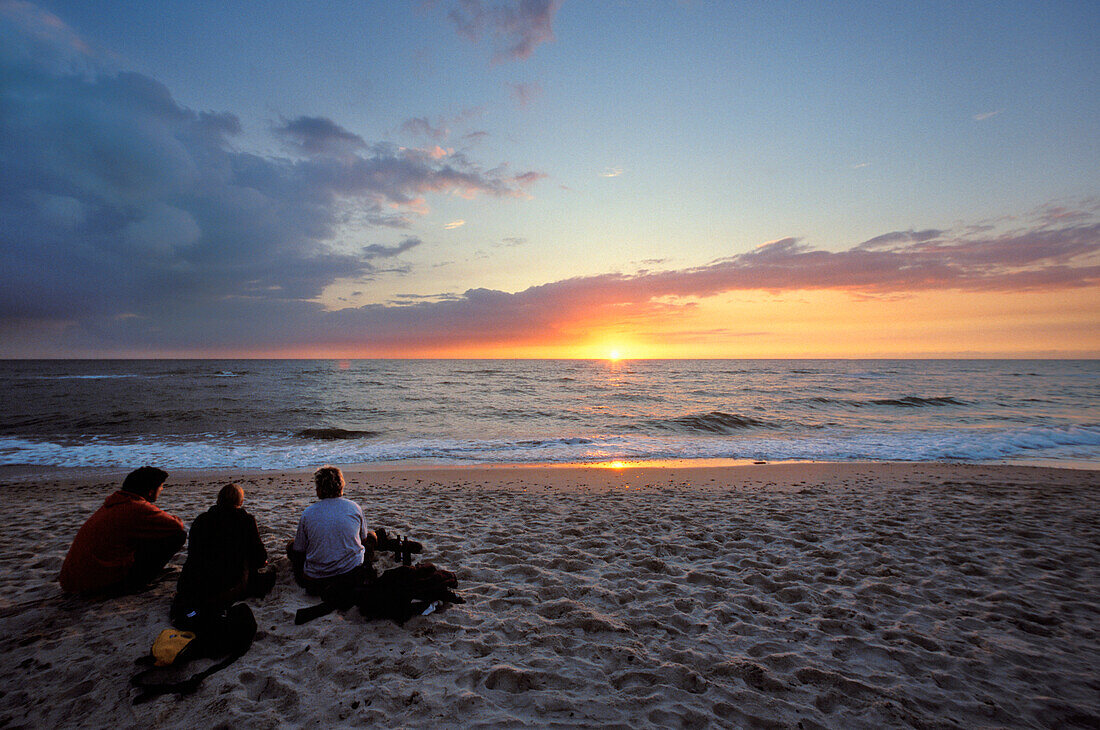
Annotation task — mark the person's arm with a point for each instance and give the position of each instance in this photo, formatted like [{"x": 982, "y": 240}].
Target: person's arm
[
  {"x": 151, "y": 522},
  {"x": 257, "y": 553},
  {"x": 296, "y": 552},
  {"x": 364, "y": 534},
  {"x": 301, "y": 540}
]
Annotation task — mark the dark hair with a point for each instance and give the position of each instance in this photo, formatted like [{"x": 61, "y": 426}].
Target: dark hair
[
  {"x": 231, "y": 496},
  {"x": 144, "y": 481},
  {"x": 330, "y": 482}
]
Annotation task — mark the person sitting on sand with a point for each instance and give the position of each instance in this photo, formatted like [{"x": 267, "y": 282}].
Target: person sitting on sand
[
  {"x": 126, "y": 542},
  {"x": 226, "y": 559},
  {"x": 332, "y": 547}
]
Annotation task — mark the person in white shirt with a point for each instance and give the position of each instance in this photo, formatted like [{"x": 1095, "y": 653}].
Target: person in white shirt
[{"x": 332, "y": 547}]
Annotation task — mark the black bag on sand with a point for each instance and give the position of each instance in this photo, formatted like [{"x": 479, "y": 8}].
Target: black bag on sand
[
  {"x": 227, "y": 634},
  {"x": 338, "y": 594},
  {"x": 408, "y": 590}
]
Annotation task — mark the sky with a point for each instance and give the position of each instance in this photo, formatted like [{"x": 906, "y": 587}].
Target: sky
[{"x": 549, "y": 178}]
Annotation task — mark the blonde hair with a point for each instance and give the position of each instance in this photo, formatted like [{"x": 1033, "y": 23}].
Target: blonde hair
[
  {"x": 330, "y": 482},
  {"x": 231, "y": 495}
]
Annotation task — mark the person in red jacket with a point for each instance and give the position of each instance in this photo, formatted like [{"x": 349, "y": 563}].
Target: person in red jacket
[{"x": 126, "y": 542}]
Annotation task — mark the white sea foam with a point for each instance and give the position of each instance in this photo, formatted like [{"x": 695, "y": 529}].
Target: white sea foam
[{"x": 1080, "y": 443}]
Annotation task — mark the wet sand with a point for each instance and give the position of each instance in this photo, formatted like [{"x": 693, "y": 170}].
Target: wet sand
[{"x": 786, "y": 595}]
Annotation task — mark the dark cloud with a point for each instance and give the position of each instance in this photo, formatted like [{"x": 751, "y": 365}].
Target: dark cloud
[
  {"x": 380, "y": 251},
  {"x": 406, "y": 298},
  {"x": 514, "y": 27},
  {"x": 319, "y": 136},
  {"x": 528, "y": 178},
  {"x": 132, "y": 224},
  {"x": 116, "y": 200},
  {"x": 561, "y": 311}
]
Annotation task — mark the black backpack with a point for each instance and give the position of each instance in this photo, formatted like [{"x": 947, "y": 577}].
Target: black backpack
[
  {"x": 227, "y": 634},
  {"x": 406, "y": 591}
]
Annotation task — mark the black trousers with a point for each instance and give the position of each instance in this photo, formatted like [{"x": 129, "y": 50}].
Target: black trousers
[{"x": 150, "y": 557}]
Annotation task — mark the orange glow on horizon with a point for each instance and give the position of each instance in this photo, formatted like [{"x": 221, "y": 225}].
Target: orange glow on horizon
[{"x": 756, "y": 325}]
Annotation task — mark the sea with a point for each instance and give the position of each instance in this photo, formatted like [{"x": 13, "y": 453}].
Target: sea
[{"x": 287, "y": 414}]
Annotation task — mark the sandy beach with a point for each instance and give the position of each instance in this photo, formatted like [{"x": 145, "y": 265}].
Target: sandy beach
[{"x": 780, "y": 595}]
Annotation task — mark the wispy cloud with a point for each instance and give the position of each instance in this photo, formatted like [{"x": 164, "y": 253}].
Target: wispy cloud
[
  {"x": 986, "y": 115},
  {"x": 41, "y": 35},
  {"x": 422, "y": 127},
  {"x": 525, "y": 94},
  {"x": 515, "y": 28},
  {"x": 454, "y": 224},
  {"x": 526, "y": 179},
  {"x": 382, "y": 251},
  {"x": 611, "y": 172}
]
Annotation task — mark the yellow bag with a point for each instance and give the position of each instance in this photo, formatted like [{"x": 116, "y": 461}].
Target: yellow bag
[{"x": 169, "y": 645}]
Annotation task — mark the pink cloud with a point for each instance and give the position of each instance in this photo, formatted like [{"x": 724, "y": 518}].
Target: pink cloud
[
  {"x": 514, "y": 27},
  {"x": 561, "y": 311}
]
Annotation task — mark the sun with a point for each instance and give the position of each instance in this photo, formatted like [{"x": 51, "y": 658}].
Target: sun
[{"x": 614, "y": 355}]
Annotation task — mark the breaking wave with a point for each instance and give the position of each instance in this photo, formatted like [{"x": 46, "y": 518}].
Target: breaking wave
[
  {"x": 332, "y": 434},
  {"x": 713, "y": 422},
  {"x": 233, "y": 451}
]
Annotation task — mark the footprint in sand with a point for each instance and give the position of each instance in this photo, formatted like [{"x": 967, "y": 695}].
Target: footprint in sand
[{"x": 509, "y": 679}]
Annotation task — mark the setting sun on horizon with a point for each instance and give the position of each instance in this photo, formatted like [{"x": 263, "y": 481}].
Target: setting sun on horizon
[
  {"x": 549, "y": 180},
  {"x": 723, "y": 363}
]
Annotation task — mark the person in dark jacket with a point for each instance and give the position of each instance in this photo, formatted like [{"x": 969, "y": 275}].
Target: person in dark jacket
[
  {"x": 226, "y": 559},
  {"x": 127, "y": 542}
]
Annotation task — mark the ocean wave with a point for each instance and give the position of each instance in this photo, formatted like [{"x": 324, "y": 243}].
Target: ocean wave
[
  {"x": 913, "y": 401},
  {"x": 554, "y": 442},
  {"x": 637, "y": 398},
  {"x": 233, "y": 451},
  {"x": 713, "y": 422},
  {"x": 117, "y": 376},
  {"x": 331, "y": 434},
  {"x": 909, "y": 401}
]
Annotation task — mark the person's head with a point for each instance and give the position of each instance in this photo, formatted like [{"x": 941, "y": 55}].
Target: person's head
[
  {"x": 145, "y": 482},
  {"x": 330, "y": 482},
  {"x": 231, "y": 496}
]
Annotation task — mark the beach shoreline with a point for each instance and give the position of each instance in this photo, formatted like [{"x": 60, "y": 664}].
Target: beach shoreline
[
  {"x": 763, "y": 595},
  {"x": 31, "y": 472}
]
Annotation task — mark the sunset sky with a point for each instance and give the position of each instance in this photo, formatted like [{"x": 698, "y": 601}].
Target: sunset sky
[{"x": 534, "y": 178}]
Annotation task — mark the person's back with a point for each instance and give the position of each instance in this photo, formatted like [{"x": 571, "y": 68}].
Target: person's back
[
  {"x": 332, "y": 542},
  {"x": 126, "y": 541},
  {"x": 331, "y": 533},
  {"x": 225, "y": 557}
]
